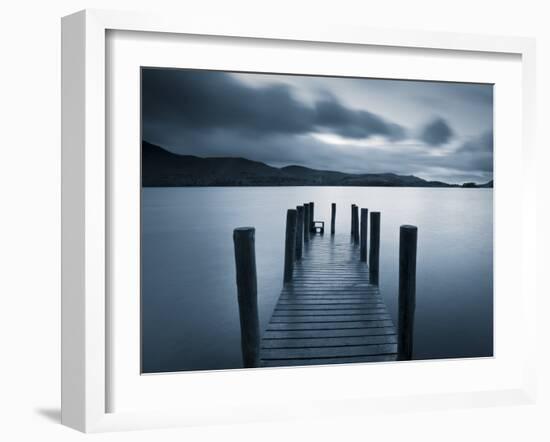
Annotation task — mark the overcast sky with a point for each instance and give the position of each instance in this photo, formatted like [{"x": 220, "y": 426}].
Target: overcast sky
[{"x": 434, "y": 130}]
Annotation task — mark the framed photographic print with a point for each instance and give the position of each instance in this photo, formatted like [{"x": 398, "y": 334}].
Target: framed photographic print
[
  {"x": 218, "y": 145},
  {"x": 249, "y": 213}
]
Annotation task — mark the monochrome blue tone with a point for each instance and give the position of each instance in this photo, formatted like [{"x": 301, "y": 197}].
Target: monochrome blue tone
[
  {"x": 434, "y": 130},
  {"x": 189, "y": 302}
]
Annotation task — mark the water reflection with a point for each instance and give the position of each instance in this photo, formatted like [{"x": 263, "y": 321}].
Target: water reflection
[{"x": 190, "y": 315}]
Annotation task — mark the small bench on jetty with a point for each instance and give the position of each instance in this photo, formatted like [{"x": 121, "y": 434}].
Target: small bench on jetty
[
  {"x": 330, "y": 309},
  {"x": 309, "y": 220},
  {"x": 319, "y": 227}
]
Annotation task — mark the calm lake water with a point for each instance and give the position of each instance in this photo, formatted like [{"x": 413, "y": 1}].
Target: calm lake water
[{"x": 190, "y": 316}]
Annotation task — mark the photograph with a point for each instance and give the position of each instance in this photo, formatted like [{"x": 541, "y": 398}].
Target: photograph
[{"x": 304, "y": 220}]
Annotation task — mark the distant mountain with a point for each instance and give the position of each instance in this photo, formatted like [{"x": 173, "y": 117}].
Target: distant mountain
[{"x": 161, "y": 168}]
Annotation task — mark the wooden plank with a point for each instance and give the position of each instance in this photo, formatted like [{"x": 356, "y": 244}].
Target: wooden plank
[
  {"x": 327, "y": 361},
  {"x": 324, "y": 312},
  {"x": 344, "y": 290},
  {"x": 345, "y": 279},
  {"x": 327, "y": 295},
  {"x": 319, "y": 273},
  {"x": 332, "y": 282},
  {"x": 329, "y": 342},
  {"x": 330, "y": 325},
  {"x": 327, "y": 318},
  {"x": 343, "y": 269},
  {"x": 327, "y": 299},
  {"x": 331, "y": 286},
  {"x": 323, "y": 270},
  {"x": 333, "y": 293},
  {"x": 323, "y": 256},
  {"x": 330, "y": 304},
  {"x": 337, "y": 263},
  {"x": 338, "y": 308},
  {"x": 321, "y": 292},
  {"x": 328, "y": 352},
  {"x": 331, "y": 296},
  {"x": 330, "y": 301},
  {"x": 323, "y": 315},
  {"x": 348, "y": 269},
  {"x": 348, "y": 293},
  {"x": 321, "y": 334},
  {"x": 316, "y": 275}
]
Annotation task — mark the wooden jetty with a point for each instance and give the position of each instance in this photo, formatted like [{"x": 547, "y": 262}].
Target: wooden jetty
[
  {"x": 330, "y": 309},
  {"x": 329, "y": 312}
]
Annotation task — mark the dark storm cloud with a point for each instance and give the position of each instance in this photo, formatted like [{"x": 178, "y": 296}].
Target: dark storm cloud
[
  {"x": 477, "y": 153},
  {"x": 286, "y": 120},
  {"x": 436, "y": 133},
  {"x": 354, "y": 124},
  {"x": 215, "y": 100},
  {"x": 483, "y": 143}
]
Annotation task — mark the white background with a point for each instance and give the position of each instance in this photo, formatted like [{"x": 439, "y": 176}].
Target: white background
[{"x": 29, "y": 221}]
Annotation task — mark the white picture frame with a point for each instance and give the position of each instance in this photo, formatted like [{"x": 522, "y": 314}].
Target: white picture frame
[{"x": 86, "y": 207}]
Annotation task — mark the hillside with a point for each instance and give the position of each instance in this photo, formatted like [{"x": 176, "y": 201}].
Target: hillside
[{"x": 161, "y": 168}]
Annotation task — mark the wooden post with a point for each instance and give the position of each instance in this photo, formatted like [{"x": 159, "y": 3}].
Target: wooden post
[
  {"x": 374, "y": 251},
  {"x": 245, "y": 263},
  {"x": 364, "y": 232},
  {"x": 299, "y": 230},
  {"x": 290, "y": 244},
  {"x": 355, "y": 224},
  {"x": 407, "y": 290},
  {"x": 306, "y": 222},
  {"x": 312, "y": 216},
  {"x": 332, "y": 218},
  {"x": 352, "y": 215}
]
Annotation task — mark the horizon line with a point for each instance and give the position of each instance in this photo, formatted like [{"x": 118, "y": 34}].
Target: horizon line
[{"x": 312, "y": 169}]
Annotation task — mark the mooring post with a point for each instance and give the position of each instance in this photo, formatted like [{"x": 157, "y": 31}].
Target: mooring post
[
  {"x": 332, "y": 218},
  {"x": 355, "y": 224},
  {"x": 299, "y": 230},
  {"x": 245, "y": 264},
  {"x": 290, "y": 244},
  {"x": 374, "y": 251},
  {"x": 306, "y": 222},
  {"x": 312, "y": 216},
  {"x": 364, "y": 232},
  {"x": 352, "y": 215},
  {"x": 407, "y": 290}
]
